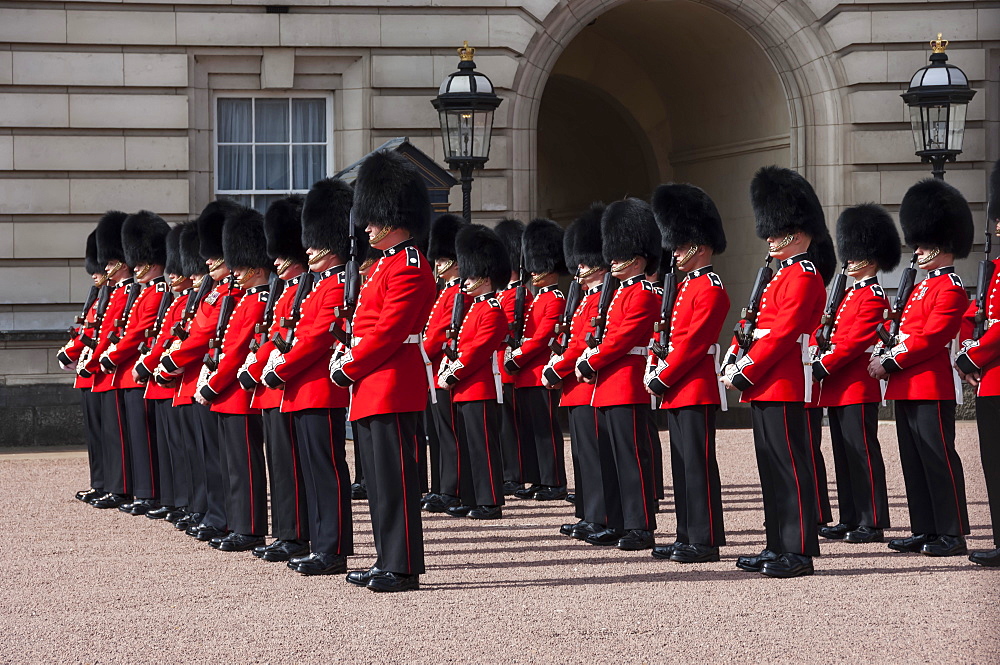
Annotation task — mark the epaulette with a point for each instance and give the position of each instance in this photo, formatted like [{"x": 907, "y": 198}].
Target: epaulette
[
  {"x": 413, "y": 257},
  {"x": 493, "y": 302},
  {"x": 647, "y": 286},
  {"x": 262, "y": 296},
  {"x": 714, "y": 279},
  {"x": 808, "y": 266},
  {"x": 877, "y": 290},
  {"x": 341, "y": 277},
  {"x": 956, "y": 280}
]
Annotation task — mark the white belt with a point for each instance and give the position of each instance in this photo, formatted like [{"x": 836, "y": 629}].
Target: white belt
[
  {"x": 415, "y": 339},
  {"x": 953, "y": 348},
  {"x": 638, "y": 351},
  {"x": 759, "y": 333},
  {"x": 990, "y": 323},
  {"x": 497, "y": 380},
  {"x": 412, "y": 339},
  {"x": 807, "y": 368},
  {"x": 714, "y": 352}
]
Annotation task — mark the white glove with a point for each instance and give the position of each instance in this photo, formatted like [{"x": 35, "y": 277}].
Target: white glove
[
  {"x": 203, "y": 376},
  {"x": 274, "y": 360}
]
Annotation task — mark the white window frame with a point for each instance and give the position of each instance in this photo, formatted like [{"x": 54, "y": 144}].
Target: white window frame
[{"x": 269, "y": 94}]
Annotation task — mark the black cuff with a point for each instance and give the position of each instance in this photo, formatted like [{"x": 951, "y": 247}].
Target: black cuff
[
  {"x": 451, "y": 379},
  {"x": 107, "y": 364},
  {"x": 511, "y": 366},
  {"x": 164, "y": 380},
  {"x": 63, "y": 358},
  {"x": 586, "y": 371},
  {"x": 657, "y": 386},
  {"x": 964, "y": 363},
  {"x": 341, "y": 379},
  {"x": 740, "y": 382},
  {"x": 890, "y": 366},
  {"x": 169, "y": 365},
  {"x": 246, "y": 380},
  {"x": 85, "y": 373},
  {"x": 819, "y": 371},
  {"x": 271, "y": 380},
  {"x": 143, "y": 372},
  {"x": 551, "y": 375},
  {"x": 208, "y": 394}
]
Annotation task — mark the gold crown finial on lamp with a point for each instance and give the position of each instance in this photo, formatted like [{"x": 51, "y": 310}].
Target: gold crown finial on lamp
[
  {"x": 939, "y": 45},
  {"x": 466, "y": 53}
]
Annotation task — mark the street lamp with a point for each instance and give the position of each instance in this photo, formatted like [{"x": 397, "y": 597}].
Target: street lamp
[
  {"x": 938, "y": 97},
  {"x": 465, "y": 106}
]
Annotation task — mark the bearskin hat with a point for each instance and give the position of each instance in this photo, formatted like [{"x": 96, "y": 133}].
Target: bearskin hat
[
  {"x": 210, "y": 223},
  {"x": 90, "y": 256},
  {"x": 389, "y": 191},
  {"x": 244, "y": 244},
  {"x": 510, "y": 232},
  {"x": 569, "y": 240},
  {"x": 784, "y": 202},
  {"x": 993, "y": 207},
  {"x": 629, "y": 229},
  {"x": 192, "y": 262},
  {"x": 326, "y": 219},
  {"x": 866, "y": 232},
  {"x": 174, "y": 264},
  {"x": 687, "y": 215},
  {"x": 144, "y": 239},
  {"x": 481, "y": 253},
  {"x": 283, "y": 228},
  {"x": 542, "y": 247},
  {"x": 444, "y": 230},
  {"x": 935, "y": 214},
  {"x": 821, "y": 253},
  {"x": 586, "y": 234},
  {"x": 109, "y": 238}
]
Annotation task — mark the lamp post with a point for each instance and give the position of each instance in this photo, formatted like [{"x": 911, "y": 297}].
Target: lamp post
[
  {"x": 938, "y": 97},
  {"x": 465, "y": 105}
]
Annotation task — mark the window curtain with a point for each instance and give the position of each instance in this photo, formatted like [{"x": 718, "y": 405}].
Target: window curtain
[{"x": 235, "y": 165}]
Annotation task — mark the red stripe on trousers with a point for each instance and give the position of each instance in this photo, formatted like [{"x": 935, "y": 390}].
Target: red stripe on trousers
[
  {"x": 402, "y": 478},
  {"x": 121, "y": 435},
  {"x": 951, "y": 472},
  {"x": 795, "y": 472},
  {"x": 708, "y": 483},
  {"x": 871, "y": 471},
  {"x": 246, "y": 436},
  {"x": 336, "y": 472},
  {"x": 489, "y": 459},
  {"x": 642, "y": 476}
]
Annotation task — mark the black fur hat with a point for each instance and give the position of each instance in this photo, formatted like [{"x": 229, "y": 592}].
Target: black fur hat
[
  {"x": 326, "y": 219},
  {"x": 784, "y": 202},
  {"x": 542, "y": 247},
  {"x": 629, "y": 229},
  {"x": 821, "y": 253},
  {"x": 244, "y": 244},
  {"x": 993, "y": 207},
  {"x": 510, "y": 232},
  {"x": 174, "y": 264},
  {"x": 569, "y": 242},
  {"x": 935, "y": 214},
  {"x": 444, "y": 230},
  {"x": 481, "y": 253},
  {"x": 389, "y": 191},
  {"x": 192, "y": 262},
  {"x": 866, "y": 232},
  {"x": 210, "y": 223},
  {"x": 144, "y": 239},
  {"x": 586, "y": 234},
  {"x": 687, "y": 215},
  {"x": 90, "y": 257},
  {"x": 109, "y": 238},
  {"x": 283, "y": 228}
]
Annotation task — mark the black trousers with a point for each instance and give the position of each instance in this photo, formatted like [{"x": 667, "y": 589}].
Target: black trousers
[
  {"x": 387, "y": 444},
  {"x": 174, "y": 439},
  {"x": 857, "y": 458},
  {"x": 781, "y": 441},
  {"x": 988, "y": 420},
  {"x": 628, "y": 432},
  {"x": 695, "y": 473},
  {"x": 319, "y": 436},
  {"x": 540, "y": 436},
  {"x": 824, "y": 509},
  {"x": 289, "y": 506},
  {"x": 242, "y": 447},
  {"x": 191, "y": 449},
  {"x": 657, "y": 448},
  {"x": 597, "y": 494},
  {"x": 509, "y": 446},
  {"x": 114, "y": 443},
  {"x": 91, "y": 404},
  {"x": 164, "y": 467},
  {"x": 430, "y": 451},
  {"x": 359, "y": 474},
  {"x": 141, "y": 418},
  {"x": 451, "y": 462},
  {"x": 932, "y": 470},
  {"x": 213, "y": 462},
  {"x": 479, "y": 423}
]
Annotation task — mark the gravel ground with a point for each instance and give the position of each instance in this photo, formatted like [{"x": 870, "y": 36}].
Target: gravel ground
[{"x": 88, "y": 586}]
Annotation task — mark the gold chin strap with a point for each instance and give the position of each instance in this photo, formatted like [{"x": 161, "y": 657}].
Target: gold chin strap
[
  {"x": 445, "y": 268},
  {"x": 860, "y": 265},
  {"x": 196, "y": 281},
  {"x": 380, "y": 236},
  {"x": 284, "y": 266},
  {"x": 588, "y": 273},
  {"x": 114, "y": 269},
  {"x": 930, "y": 257},
  {"x": 177, "y": 281},
  {"x": 366, "y": 265},
  {"x": 535, "y": 279},
  {"x": 783, "y": 243},
  {"x": 215, "y": 264},
  {"x": 102, "y": 280},
  {"x": 687, "y": 255},
  {"x": 141, "y": 272},
  {"x": 475, "y": 285},
  {"x": 622, "y": 266},
  {"x": 247, "y": 276},
  {"x": 319, "y": 256}
]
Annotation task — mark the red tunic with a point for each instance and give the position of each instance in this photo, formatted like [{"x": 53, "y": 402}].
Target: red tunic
[
  {"x": 264, "y": 397},
  {"x": 385, "y": 363},
  {"x": 306, "y": 366},
  {"x": 103, "y": 381},
  {"x": 73, "y": 351},
  {"x": 159, "y": 345},
  {"x": 540, "y": 318},
  {"x": 792, "y": 306},
  {"x": 854, "y": 335},
  {"x": 920, "y": 364},
  {"x": 620, "y": 359},
  {"x": 574, "y": 392},
  {"x": 229, "y": 395},
  {"x": 483, "y": 330},
  {"x": 508, "y": 300},
  {"x": 440, "y": 320},
  {"x": 984, "y": 353},
  {"x": 141, "y": 318},
  {"x": 699, "y": 314}
]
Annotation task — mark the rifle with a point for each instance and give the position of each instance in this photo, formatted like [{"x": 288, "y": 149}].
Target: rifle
[
  {"x": 352, "y": 289},
  {"x": 153, "y": 332},
  {"x": 748, "y": 317},
  {"x": 837, "y": 293},
  {"x": 79, "y": 319},
  {"x": 134, "y": 289},
  {"x": 600, "y": 322},
  {"x": 102, "y": 304},
  {"x": 211, "y": 358},
  {"x": 457, "y": 316},
  {"x": 516, "y": 336},
  {"x": 290, "y": 321},
  {"x": 559, "y": 343},
  {"x": 661, "y": 344},
  {"x": 180, "y": 330},
  {"x": 260, "y": 330},
  {"x": 985, "y": 279},
  {"x": 907, "y": 280}
]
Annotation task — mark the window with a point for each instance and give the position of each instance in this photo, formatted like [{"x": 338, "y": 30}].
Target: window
[{"x": 269, "y": 147}]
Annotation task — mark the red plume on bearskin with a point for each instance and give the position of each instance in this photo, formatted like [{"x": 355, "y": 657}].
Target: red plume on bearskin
[
  {"x": 935, "y": 214},
  {"x": 866, "y": 232}
]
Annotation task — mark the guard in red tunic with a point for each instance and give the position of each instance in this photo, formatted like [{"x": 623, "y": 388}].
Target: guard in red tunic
[
  {"x": 614, "y": 363},
  {"x": 768, "y": 369},
  {"x": 978, "y": 362},
  {"x": 289, "y": 507},
  {"x": 535, "y": 406},
  {"x": 318, "y": 407},
  {"x": 937, "y": 224},
  {"x": 114, "y": 429},
  {"x": 592, "y": 453},
  {"x": 385, "y": 364},
  {"x": 184, "y": 361},
  {"x": 473, "y": 376},
  {"x": 868, "y": 241},
  {"x": 447, "y": 459},
  {"x": 687, "y": 377},
  {"x": 76, "y": 352},
  {"x": 510, "y": 232}
]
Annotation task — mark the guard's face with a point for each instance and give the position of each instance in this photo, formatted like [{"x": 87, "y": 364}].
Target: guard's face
[
  {"x": 241, "y": 273},
  {"x": 477, "y": 286},
  {"x": 377, "y": 235},
  {"x": 930, "y": 258},
  {"x": 220, "y": 270},
  {"x": 783, "y": 247},
  {"x": 443, "y": 266},
  {"x": 98, "y": 278}
]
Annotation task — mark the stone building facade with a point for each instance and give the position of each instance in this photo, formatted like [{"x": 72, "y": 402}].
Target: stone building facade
[{"x": 163, "y": 106}]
